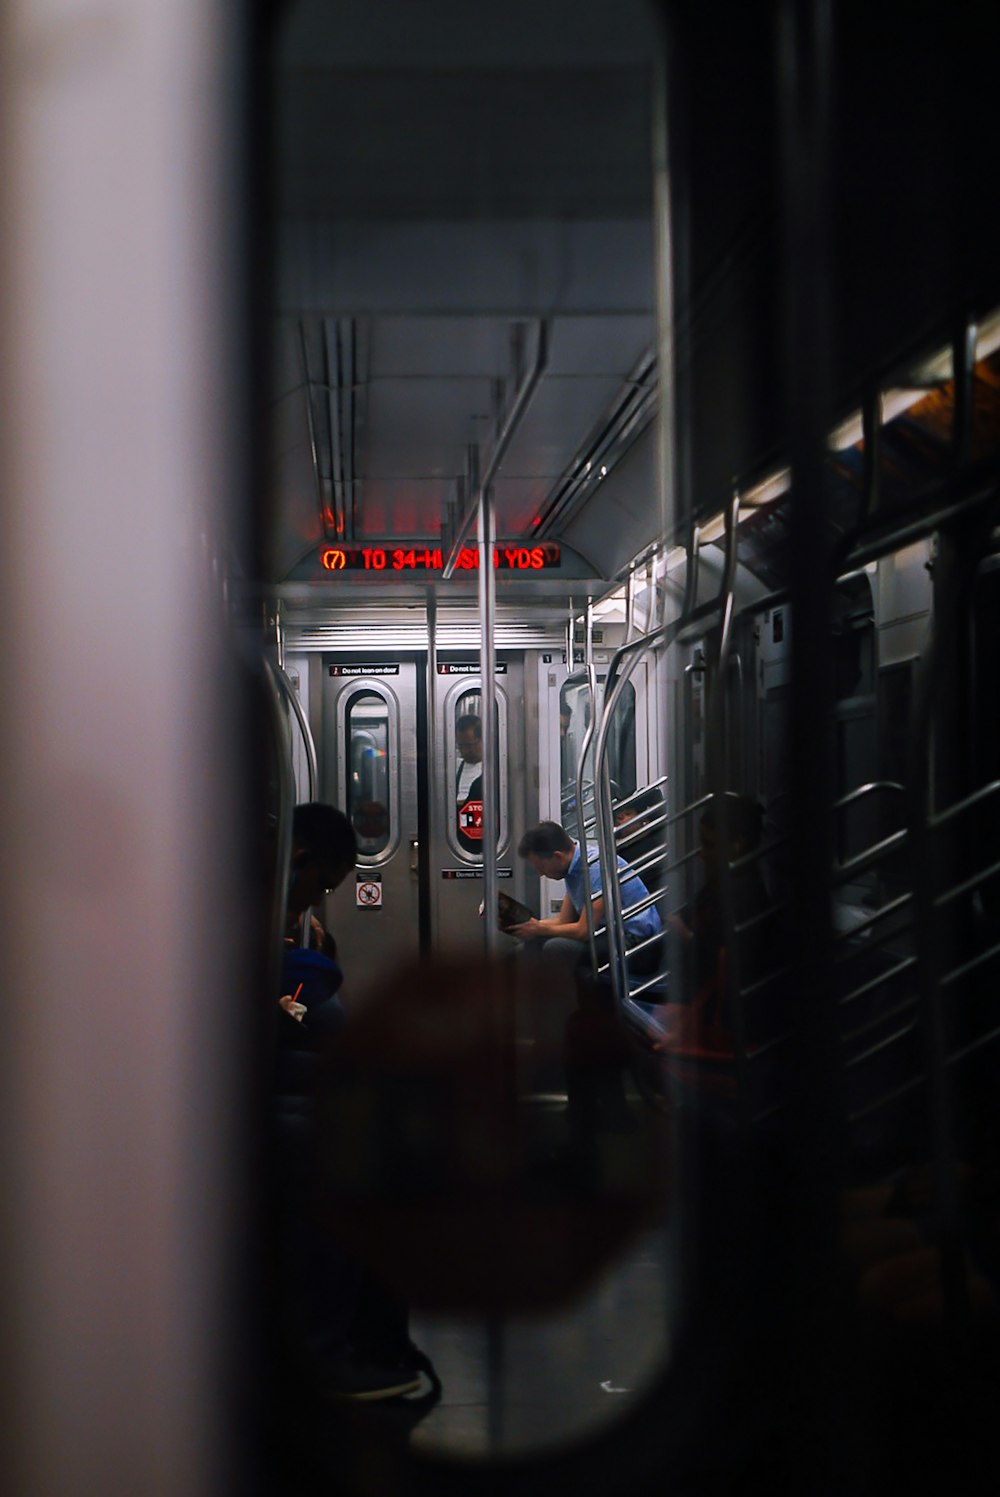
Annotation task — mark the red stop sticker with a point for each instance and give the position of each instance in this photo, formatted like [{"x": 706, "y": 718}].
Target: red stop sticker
[{"x": 470, "y": 819}]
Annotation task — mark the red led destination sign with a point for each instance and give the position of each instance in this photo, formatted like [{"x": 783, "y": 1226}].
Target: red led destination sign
[{"x": 432, "y": 558}]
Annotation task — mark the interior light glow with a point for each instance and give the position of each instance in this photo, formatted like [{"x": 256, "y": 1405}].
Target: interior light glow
[{"x": 899, "y": 399}]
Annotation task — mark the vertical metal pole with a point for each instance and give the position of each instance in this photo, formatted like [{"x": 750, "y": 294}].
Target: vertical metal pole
[
  {"x": 435, "y": 764},
  {"x": 871, "y": 425},
  {"x": 496, "y": 999},
  {"x": 487, "y": 671},
  {"x": 279, "y": 633},
  {"x": 963, "y": 375},
  {"x": 717, "y": 783},
  {"x": 630, "y": 605},
  {"x": 805, "y": 1218},
  {"x": 663, "y": 243},
  {"x": 938, "y": 776},
  {"x": 670, "y": 226},
  {"x": 581, "y": 829}
]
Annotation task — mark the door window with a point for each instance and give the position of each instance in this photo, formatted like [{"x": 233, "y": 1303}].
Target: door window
[
  {"x": 466, "y": 788},
  {"x": 369, "y": 769}
]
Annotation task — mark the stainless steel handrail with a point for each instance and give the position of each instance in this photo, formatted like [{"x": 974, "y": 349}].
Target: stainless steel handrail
[
  {"x": 983, "y": 793},
  {"x": 629, "y": 655},
  {"x": 966, "y": 886},
  {"x": 716, "y": 714},
  {"x": 284, "y": 685},
  {"x": 521, "y": 399},
  {"x": 283, "y": 828},
  {"x": 892, "y": 908},
  {"x": 627, "y": 800},
  {"x": 942, "y": 509},
  {"x": 488, "y": 710},
  {"x": 870, "y": 857},
  {"x": 588, "y": 738},
  {"x": 958, "y": 557},
  {"x": 870, "y": 788},
  {"x": 292, "y": 697},
  {"x": 904, "y": 965},
  {"x": 974, "y": 963},
  {"x": 870, "y": 1026}
]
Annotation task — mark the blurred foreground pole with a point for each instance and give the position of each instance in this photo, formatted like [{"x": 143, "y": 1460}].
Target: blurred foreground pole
[{"x": 120, "y": 783}]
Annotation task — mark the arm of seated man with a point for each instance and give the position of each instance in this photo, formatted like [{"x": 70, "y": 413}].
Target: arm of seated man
[{"x": 567, "y": 923}]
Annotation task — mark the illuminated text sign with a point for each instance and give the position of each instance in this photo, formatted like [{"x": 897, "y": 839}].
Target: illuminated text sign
[{"x": 432, "y": 558}]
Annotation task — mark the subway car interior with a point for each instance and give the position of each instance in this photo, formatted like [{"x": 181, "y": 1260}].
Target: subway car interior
[{"x": 638, "y": 1128}]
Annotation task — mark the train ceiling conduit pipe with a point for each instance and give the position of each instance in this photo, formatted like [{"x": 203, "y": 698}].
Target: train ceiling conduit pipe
[
  {"x": 311, "y": 427},
  {"x": 341, "y": 400},
  {"x": 634, "y": 408},
  {"x": 520, "y": 404}
]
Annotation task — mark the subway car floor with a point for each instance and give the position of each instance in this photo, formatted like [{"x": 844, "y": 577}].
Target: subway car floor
[
  {"x": 537, "y": 1382},
  {"x": 548, "y": 1380}
]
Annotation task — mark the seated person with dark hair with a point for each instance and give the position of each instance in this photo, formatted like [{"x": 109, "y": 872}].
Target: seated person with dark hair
[
  {"x": 324, "y": 1292},
  {"x": 700, "y": 926},
  {"x": 324, "y": 851},
  {"x": 640, "y": 834},
  {"x": 699, "y": 1040}
]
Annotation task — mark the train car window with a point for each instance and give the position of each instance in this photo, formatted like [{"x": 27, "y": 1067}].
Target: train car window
[
  {"x": 466, "y": 776},
  {"x": 574, "y": 719},
  {"x": 369, "y": 803},
  {"x": 622, "y": 746}
]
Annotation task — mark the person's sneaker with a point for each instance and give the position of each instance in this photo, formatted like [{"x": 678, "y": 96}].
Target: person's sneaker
[{"x": 344, "y": 1376}]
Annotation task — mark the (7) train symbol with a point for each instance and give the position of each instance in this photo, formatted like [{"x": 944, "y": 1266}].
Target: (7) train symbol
[{"x": 334, "y": 559}]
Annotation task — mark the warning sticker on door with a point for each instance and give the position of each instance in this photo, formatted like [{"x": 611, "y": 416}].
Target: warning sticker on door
[
  {"x": 470, "y": 820},
  {"x": 369, "y": 891}
]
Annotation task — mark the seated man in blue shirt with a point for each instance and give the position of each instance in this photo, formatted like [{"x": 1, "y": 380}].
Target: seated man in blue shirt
[
  {"x": 552, "y": 852},
  {"x": 594, "y": 1050}
]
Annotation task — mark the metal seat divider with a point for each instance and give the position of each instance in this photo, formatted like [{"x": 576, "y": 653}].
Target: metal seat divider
[
  {"x": 903, "y": 965},
  {"x": 958, "y": 555},
  {"x": 628, "y": 656},
  {"x": 613, "y": 690}
]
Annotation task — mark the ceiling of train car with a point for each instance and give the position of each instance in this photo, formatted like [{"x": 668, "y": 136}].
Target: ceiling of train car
[
  {"x": 445, "y": 172},
  {"x": 446, "y": 176}
]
